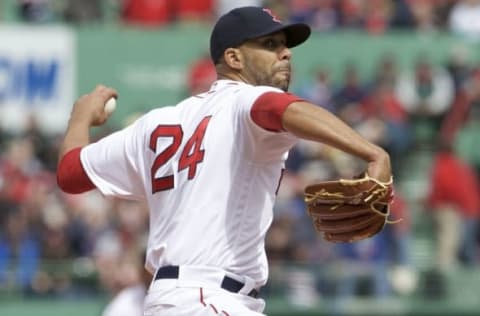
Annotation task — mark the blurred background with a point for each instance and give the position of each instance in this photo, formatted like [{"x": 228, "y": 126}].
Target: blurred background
[{"x": 404, "y": 73}]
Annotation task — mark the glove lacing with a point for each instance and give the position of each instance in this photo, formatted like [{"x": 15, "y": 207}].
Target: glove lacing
[{"x": 378, "y": 192}]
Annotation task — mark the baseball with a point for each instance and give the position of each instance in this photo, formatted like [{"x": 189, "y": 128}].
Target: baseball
[{"x": 110, "y": 106}]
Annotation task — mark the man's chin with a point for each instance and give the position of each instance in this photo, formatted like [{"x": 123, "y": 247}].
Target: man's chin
[{"x": 283, "y": 83}]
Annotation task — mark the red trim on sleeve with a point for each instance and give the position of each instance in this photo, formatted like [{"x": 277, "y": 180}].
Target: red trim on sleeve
[
  {"x": 71, "y": 177},
  {"x": 268, "y": 109}
]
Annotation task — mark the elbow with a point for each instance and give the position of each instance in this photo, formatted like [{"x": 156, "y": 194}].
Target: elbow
[
  {"x": 65, "y": 183},
  {"x": 62, "y": 176},
  {"x": 71, "y": 177},
  {"x": 62, "y": 183}
]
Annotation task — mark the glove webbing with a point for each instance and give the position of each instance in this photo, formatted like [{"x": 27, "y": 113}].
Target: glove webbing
[{"x": 379, "y": 192}]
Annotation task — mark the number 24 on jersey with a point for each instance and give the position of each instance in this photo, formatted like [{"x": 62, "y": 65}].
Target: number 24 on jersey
[{"x": 191, "y": 154}]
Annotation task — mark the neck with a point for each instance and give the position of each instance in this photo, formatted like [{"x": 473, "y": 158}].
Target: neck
[{"x": 231, "y": 75}]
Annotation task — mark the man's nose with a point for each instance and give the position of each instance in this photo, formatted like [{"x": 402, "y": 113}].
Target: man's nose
[{"x": 286, "y": 53}]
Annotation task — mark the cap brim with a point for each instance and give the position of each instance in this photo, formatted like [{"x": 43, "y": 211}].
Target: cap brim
[{"x": 296, "y": 33}]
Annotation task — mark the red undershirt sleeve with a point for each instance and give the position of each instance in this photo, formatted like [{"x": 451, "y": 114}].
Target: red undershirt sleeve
[
  {"x": 71, "y": 177},
  {"x": 268, "y": 109}
]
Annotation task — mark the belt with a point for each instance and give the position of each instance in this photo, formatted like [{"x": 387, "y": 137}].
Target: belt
[{"x": 228, "y": 283}]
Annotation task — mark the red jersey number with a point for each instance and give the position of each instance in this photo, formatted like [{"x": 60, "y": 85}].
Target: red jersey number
[{"x": 191, "y": 155}]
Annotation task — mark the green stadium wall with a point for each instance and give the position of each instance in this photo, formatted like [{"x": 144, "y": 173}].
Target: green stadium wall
[{"x": 149, "y": 67}]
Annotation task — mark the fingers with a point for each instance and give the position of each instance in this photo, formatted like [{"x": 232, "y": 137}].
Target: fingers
[
  {"x": 90, "y": 107},
  {"x": 105, "y": 92}
]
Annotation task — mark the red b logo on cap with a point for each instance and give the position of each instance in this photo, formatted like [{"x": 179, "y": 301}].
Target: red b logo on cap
[{"x": 274, "y": 17}]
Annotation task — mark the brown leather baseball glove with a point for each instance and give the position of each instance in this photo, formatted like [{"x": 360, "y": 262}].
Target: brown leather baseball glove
[{"x": 349, "y": 210}]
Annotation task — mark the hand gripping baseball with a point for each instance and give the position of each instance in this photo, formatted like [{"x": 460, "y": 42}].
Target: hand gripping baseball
[
  {"x": 95, "y": 107},
  {"x": 347, "y": 210}
]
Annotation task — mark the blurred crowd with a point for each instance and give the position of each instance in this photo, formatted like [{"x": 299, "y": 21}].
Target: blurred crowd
[
  {"x": 429, "y": 112},
  {"x": 372, "y": 16},
  {"x": 52, "y": 243}
]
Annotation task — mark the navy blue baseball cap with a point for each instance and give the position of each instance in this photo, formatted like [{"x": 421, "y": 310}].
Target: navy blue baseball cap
[{"x": 245, "y": 23}]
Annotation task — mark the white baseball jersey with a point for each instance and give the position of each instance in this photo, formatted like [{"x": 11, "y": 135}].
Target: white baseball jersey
[{"x": 209, "y": 174}]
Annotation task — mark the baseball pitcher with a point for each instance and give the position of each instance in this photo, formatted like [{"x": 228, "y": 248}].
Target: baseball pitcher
[{"x": 209, "y": 166}]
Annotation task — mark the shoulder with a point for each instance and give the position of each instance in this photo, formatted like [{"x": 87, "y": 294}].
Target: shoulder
[
  {"x": 152, "y": 117},
  {"x": 239, "y": 87},
  {"x": 248, "y": 94},
  {"x": 260, "y": 89}
]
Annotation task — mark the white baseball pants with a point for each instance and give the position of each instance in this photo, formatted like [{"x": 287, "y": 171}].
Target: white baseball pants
[{"x": 197, "y": 292}]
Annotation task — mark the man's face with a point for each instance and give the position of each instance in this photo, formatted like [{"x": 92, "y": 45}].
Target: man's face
[{"x": 267, "y": 61}]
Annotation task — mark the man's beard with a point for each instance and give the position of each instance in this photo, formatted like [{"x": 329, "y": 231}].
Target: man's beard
[
  {"x": 281, "y": 83},
  {"x": 264, "y": 79}
]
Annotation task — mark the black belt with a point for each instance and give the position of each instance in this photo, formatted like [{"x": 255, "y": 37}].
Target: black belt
[{"x": 229, "y": 284}]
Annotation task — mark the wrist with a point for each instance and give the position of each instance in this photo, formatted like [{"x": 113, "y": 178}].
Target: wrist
[
  {"x": 79, "y": 121},
  {"x": 379, "y": 155},
  {"x": 379, "y": 166}
]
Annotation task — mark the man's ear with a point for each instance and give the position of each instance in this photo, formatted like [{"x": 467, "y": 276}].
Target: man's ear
[{"x": 233, "y": 58}]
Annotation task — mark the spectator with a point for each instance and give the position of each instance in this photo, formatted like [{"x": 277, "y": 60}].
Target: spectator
[
  {"x": 279, "y": 242},
  {"x": 18, "y": 168},
  {"x": 351, "y": 13},
  {"x": 287, "y": 242},
  {"x": 320, "y": 15},
  {"x": 467, "y": 99},
  {"x": 201, "y": 75},
  {"x": 399, "y": 234},
  {"x": 468, "y": 136},
  {"x": 402, "y": 274},
  {"x": 223, "y": 6},
  {"x": 198, "y": 10},
  {"x": 443, "y": 9},
  {"x": 426, "y": 95},
  {"x": 106, "y": 255},
  {"x": 362, "y": 260},
  {"x": 402, "y": 15},
  {"x": 35, "y": 11},
  {"x": 423, "y": 13},
  {"x": 464, "y": 19},
  {"x": 350, "y": 94},
  {"x": 386, "y": 70},
  {"x": 131, "y": 224},
  {"x": 455, "y": 204},
  {"x": 152, "y": 13},
  {"x": 43, "y": 145},
  {"x": 320, "y": 90},
  {"x": 459, "y": 66},
  {"x": 377, "y": 16},
  {"x": 19, "y": 246},
  {"x": 85, "y": 11},
  {"x": 280, "y": 7},
  {"x": 132, "y": 281}
]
